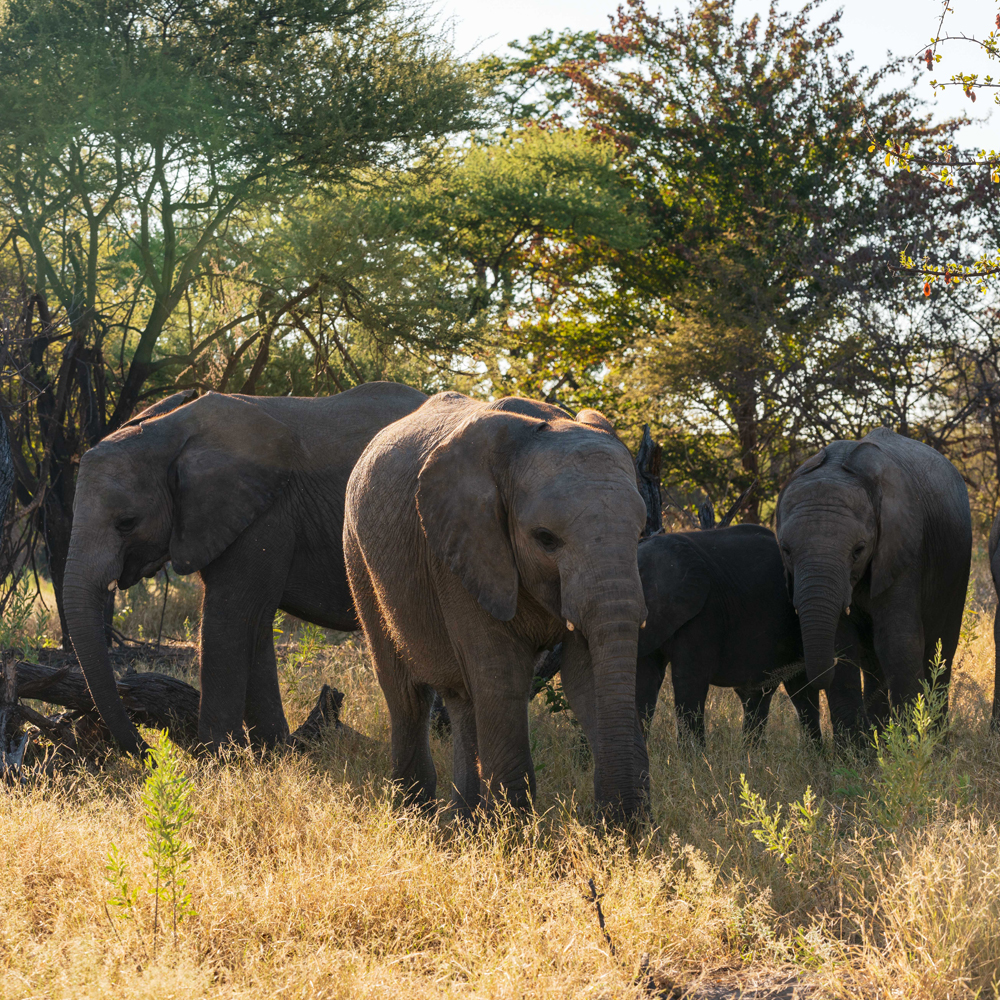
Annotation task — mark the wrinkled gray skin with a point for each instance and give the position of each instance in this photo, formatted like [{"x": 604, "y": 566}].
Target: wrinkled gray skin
[
  {"x": 720, "y": 614},
  {"x": 882, "y": 527},
  {"x": 473, "y": 534},
  {"x": 248, "y": 491},
  {"x": 994, "y": 548}
]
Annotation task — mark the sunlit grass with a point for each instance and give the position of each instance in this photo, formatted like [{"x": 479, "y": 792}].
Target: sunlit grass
[{"x": 308, "y": 882}]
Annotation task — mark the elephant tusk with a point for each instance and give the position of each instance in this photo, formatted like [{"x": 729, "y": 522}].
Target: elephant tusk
[
  {"x": 847, "y": 610},
  {"x": 643, "y": 625},
  {"x": 113, "y": 585},
  {"x": 570, "y": 625}
]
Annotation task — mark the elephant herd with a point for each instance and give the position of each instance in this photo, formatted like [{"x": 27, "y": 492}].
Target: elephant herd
[{"x": 465, "y": 537}]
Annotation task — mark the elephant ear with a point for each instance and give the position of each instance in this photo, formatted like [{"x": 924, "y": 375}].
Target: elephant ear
[
  {"x": 596, "y": 420},
  {"x": 163, "y": 406},
  {"x": 810, "y": 464},
  {"x": 894, "y": 500},
  {"x": 235, "y": 461},
  {"x": 676, "y": 581},
  {"x": 463, "y": 513}
]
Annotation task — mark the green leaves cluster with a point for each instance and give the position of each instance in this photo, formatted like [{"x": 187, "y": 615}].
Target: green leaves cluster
[{"x": 167, "y": 814}]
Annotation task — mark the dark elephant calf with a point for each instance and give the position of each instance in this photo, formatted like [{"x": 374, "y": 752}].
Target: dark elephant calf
[{"x": 719, "y": 613}]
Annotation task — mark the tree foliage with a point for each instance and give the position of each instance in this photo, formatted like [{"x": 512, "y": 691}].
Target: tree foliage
[{"x": 145, "y": 148}]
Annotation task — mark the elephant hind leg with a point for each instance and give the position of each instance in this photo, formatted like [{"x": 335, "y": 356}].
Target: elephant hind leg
[{"x": 409, "y": 703}]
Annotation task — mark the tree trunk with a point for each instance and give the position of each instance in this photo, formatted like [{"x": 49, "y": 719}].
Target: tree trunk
[{"x": 647, "y": 479}]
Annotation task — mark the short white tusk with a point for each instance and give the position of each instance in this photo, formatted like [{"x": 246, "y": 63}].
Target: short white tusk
[
  {"x": 643, "y": 625},
  {"x": 847, "y": 610},
  {"x": 112, "y": 585},
  {"x": 569, "y": 625}
]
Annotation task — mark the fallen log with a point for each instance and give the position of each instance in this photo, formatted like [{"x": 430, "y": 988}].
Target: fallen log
[{"x": 151, "y": 698}]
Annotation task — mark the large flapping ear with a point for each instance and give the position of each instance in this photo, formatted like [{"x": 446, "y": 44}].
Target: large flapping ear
[
  {"x": 895, "y": 503},
  {"x": 235, "y": 461},
  {"x": 463, "y": 514},
  {"x": 162, "y": 407},
  {"x": 676, "y": 581}
]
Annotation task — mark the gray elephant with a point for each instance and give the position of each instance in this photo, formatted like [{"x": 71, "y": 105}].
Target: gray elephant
[
  {"x": 720, "y": 614},
  {"x": 878, "y": 529},
  {"x": 994, "y": 547},
  {"x": 248, "y": 491},
  {"x": 476, "y": 535}
]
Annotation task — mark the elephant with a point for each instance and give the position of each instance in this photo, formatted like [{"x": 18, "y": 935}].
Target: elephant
[
  {"x": 880, "y": 530},
  {"x": 477, "y": 535},
  {"x": 248, "y": 491},
  {"x": 994, "y": 546},
  {"x": 720, "y": 614}
]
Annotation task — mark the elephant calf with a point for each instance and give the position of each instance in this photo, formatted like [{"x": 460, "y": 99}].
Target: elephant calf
[
  {"x": 475, "y": 536},
  {"x": 720, "y": 614},
  {"x": 249, "y": 492},
  {"x": 876, "y": 538}
]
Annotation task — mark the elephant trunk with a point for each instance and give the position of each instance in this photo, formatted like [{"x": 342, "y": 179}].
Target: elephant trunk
[
  {"x": 621, "y": 764},
  {"x": 85, "y": 591},
  {"x": 819, "y": 600}
]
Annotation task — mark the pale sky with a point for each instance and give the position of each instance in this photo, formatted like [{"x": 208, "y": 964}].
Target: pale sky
[{"x": 870, "y": 27}]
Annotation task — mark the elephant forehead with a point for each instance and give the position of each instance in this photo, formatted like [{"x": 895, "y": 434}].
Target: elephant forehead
[
  {"x": 839, "y": 491},
  {"x": 577, "y": 448}
]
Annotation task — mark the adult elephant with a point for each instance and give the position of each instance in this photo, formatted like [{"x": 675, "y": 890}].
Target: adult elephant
[
  {"x": 720, "y": 614},
  {"x": 248, "y": 491},
  {"x": 477, "y": 535},
  {"x": 994, "y": 548},
  {"x": 878, "y": 529}
]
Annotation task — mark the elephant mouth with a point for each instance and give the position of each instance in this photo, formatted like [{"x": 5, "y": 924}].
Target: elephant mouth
[{"x": 130, "y": 577}]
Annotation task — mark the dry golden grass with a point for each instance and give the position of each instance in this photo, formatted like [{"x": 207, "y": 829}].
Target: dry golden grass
[{"x": 309, "y": 883}]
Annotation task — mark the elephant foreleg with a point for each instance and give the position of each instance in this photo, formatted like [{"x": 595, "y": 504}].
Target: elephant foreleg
[
  {"x": 805, "y": 698},
  {"x": 501, "y": 708},
  {"x": 650, "y": 671},
  {"x": 690, "y": 695},
  {"x": 899, "y": 645},
  {"x": 263, "y": 712},
  {"x": 467, "y": 791},
  {"x": 756, "y": 706}
]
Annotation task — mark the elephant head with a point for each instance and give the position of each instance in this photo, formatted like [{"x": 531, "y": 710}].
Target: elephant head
[
  {"x": 177, "y": 483},
  {"x": 543, "y": 516},
  {"x": 845, "y": 514}
]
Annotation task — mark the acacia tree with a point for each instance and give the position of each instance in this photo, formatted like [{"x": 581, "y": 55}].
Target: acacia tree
[
  {"x": 142, "y": 141},
  {"x": 742, "y": 146}
]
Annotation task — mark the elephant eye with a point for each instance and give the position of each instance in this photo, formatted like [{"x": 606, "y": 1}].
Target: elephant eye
[
  {"x": 126, "y": 524},
  {"x": 858, "y": 549},
  {"x": 546, "y": 539}
]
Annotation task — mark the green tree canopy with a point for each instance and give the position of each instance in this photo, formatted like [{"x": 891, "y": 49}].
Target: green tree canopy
[{"x": 143, "y": 143}]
